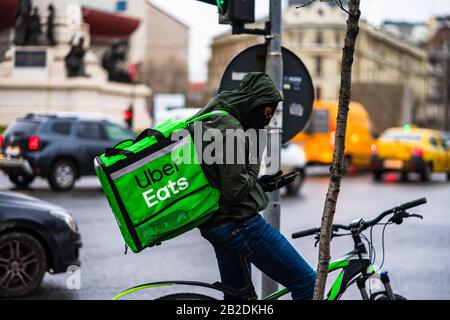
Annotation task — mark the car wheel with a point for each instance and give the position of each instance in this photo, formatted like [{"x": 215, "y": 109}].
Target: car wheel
[
  {"x": 294, "y": 187},
  {"x": 426, "y": 173},
  {"x": 62, "y": 175},
  {"x": 22, "y": 264},
  {"x": 21, "y": 180},
  {"x": 377, "y": 176}
]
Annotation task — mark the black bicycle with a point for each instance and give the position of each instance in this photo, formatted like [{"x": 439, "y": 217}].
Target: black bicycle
[{"x": 357, "y": 266}]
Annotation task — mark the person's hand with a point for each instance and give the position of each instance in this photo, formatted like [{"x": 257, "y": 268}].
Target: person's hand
[
  {"x": 276, "y": 181},
  {"x": 269, "y": 183}
]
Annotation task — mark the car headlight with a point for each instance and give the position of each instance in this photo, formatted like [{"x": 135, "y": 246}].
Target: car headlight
[{"x": 66, "y": 217}]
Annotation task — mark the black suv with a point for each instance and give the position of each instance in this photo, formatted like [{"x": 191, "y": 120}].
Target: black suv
[{"x": 57, "y": 147}]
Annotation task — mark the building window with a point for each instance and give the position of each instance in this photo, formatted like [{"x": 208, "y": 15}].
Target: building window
[
  {"x": 121, "y": 5},
  {"x": 337, "y": 36},
  {"x": 318, "y": 66},
  {"x": 319, "y": 37},
  {"x": 318, "y": 93}
]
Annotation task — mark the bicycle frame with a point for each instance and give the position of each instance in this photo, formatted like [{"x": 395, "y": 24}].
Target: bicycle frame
[
  {"x": 351, "y": 265},
  {"x": 356, "y": 262},
  {"x": 355, "y": 266}
]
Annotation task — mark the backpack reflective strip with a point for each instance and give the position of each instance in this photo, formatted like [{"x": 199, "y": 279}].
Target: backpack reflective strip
[{"x": 149, "y": 158}]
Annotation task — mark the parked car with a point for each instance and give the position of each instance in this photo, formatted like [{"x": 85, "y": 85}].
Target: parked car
[
  {"x": 60, "y": 148},
  {"x": 318, "y": 137},
  {"x": 35, "y": 237},
  {"x": 410, "y": 149}
]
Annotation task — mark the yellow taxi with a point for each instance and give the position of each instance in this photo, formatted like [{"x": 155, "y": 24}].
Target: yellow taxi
[
  {"x": 410, "y": 149},
  {"x": 318, "y": 137}
]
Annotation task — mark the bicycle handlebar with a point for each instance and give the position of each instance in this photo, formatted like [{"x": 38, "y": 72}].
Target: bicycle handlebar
[
  {"x": 414, "y": 203},
  {"x": 305, "y": 233},
  {"x": 365, "y": 224},
  {"x": 402, "y": 207}
]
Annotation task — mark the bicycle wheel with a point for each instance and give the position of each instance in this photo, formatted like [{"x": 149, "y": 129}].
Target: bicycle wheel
[
  {"x": 383, "y": 296},
  {"x": 186, "y": 296}
]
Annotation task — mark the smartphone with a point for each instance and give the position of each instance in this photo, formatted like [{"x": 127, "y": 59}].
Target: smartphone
[{"x": 289, "y": 175}]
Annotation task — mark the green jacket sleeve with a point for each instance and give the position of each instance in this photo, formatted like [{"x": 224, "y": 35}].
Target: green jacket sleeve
[{"x": 237, "y": 177}]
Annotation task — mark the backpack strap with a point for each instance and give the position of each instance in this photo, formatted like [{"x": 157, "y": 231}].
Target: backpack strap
[
  {"x": 149, "y": 133},
  {"x": 110, "y": 152},
  {"x": 118, "y": 150}
]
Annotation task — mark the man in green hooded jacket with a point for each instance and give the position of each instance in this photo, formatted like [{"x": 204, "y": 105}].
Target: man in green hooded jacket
[{"x": 239, "y": 235}]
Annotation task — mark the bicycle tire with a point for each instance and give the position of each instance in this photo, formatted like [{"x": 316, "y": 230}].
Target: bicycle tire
[
  {"x": 381, "y": 296},
  {"x": 186, "y": 296}
]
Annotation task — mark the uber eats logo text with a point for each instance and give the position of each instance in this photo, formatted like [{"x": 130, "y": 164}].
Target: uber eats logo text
[{"x": 148, "y": 177}]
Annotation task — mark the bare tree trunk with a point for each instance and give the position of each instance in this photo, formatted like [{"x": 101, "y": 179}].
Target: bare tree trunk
[{"x": 338, "y": 156}]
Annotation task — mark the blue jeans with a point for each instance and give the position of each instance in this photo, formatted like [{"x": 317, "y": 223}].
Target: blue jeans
[{"x": 239, "y": 244}]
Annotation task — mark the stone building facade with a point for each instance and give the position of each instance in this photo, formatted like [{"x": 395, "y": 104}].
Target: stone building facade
[{"x": 160, "y": 45}]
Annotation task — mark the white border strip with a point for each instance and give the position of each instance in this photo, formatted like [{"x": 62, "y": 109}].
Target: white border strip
[{"x": 119, "y": 173}]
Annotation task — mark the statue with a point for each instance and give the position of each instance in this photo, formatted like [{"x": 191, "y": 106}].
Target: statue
[
  {"x": 113, "y": 62},
  {"x": 23, "y": 13},
  {"x": 34, "y": 28},
  {"x": 75, "y": 60},
  {"x": 51, "y": 25}
]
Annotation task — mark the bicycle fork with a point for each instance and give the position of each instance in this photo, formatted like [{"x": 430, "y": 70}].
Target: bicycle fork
[
  {"x": 384, "y": 278},
  {"x": 362, "y": 288}
]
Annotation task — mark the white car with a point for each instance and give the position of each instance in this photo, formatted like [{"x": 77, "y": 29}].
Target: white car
[{"x": 293, "y": 158}]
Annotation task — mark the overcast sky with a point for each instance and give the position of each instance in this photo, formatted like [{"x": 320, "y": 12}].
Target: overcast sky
[{"x": 202, "y": 20}]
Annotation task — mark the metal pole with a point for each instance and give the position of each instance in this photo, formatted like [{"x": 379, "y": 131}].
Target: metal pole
[
  {"x": 446, "y": 87},
  {"x": 274, "y": 68}
]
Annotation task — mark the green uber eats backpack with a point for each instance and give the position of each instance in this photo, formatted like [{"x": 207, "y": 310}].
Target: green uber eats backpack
[{"x": 155, "y": 187}]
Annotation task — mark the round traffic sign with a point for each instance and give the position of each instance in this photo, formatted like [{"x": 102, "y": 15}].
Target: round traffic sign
[{"x": 298, "y": 89}]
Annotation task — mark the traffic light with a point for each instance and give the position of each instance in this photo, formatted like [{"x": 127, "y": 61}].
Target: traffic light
[
  {"x": 407, "y": 128},
  {"x": 128, "y": 116},
  {"x": 235, "y": 12}
]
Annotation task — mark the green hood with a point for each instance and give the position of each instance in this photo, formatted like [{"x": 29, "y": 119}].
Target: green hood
[{"x": 255, "y": 89}]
